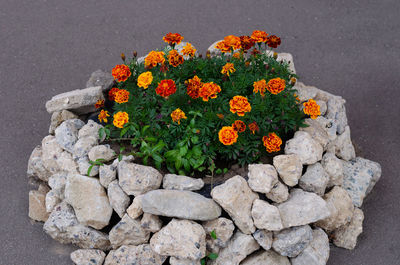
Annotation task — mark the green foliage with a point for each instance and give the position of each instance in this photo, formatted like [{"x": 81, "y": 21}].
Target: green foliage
[{"x": 97, "y": 162}]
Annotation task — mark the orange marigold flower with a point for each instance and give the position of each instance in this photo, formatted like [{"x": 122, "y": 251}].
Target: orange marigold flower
[
  {"x": 273, "y": 41},
  {"x": 121, "y": 72},
  {"x": 166, "y": 88},
  {"x": 174, "y": 58},
  {"x": 227, "y": 135},
  {"x": 209, "y": 90},
  {"x": 239, "y": 126},
  {"x": 221, "y": 116},
  {"x": 103, "y": 116},
  {"x": 259, "y": 36},
  {"x": 120, "y": 119},
  {"x": 233, "y": 42},
  {"x": 99, "y": 104},
  {"x": 177, "y": 115},
  {"x": 260, "y": 86},
  {"x": 154, "y": 58},
  {"x": 173, "y": 38},
  {"x": 189, "y": 50},
  {"x": 253, "y": 127},
  {"x": 312, "y": 108},
  {"x": 193, "y": 87},
  {"x": 272, "y": 143},
  {"x": 239, "y": 105},
  {"x": 227, "y": 69},
  {"x": 236, "y": 55},
  {"x": 122, "y": 96},
  {"x": 223, "y": 47},
  {"x": 111, "y": 93},
  {"x": 276, "y": 85},
  {"x": 246, "y": 42},
  {"x": 145, "y": 79}
]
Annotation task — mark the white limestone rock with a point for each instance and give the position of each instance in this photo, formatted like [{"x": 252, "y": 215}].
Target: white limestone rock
[
  {"x": 107, "y": 174},
  {"x": 119, "y": 201},
  {"x": 67, "y": 163},
  {"x": 88, "y": 257},
  {"x": 103, "y": 152},
  {"x": 57, "y": 183},
  {"x": 308, "y": 150},
  {"x": 292, "y": 241},
  {"x": 315, "y": 179},
  {"x": 37, "y": 206},
  {"x": 84, "y": 165},
  {"x": 151, "y": 222},
  {"x": 51, "y": 151},
  {"x": 337, "y": 111},
  {"x": 100, "y": 78},
  {"x": 67, "y": 134},
  {"x": 305, "y": 92},
  {"x": 346, "y": 236},
  {"x": 128, "y": 232},
  {"x": 266, "y": 216},
  {"x": 91, "y": 129},
  {"x": 279, "y": 193},
  {"x": 262, "y": 178},
  {"x": 135, "y": 209},
  {"x": 268, "y": 257},
  {"x": 36, "y": 167},
  {"x": 58, "y": 117},
  {"x": 51, "y": 200},
  {"x": 84, "y": 145},
  {"x": 178, "y": 182},
  {"x": 317, "y": 131},
  {"x": 139, "y": 255},
  {"x": 334, "y": 168},
  {"x": 264, "y": 238},
  {"x": 176, "y": 261},
  {"x": 344, "y": 147},
  {"x": 289, "y": 167},
  {"x": 223, "y": 229}
]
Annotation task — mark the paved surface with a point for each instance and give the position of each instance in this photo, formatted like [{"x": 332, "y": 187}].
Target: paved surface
[{"x": 350, "y": 48}]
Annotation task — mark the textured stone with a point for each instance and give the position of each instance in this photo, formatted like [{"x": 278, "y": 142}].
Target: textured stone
[
  {"x": 305, "y": 92},
  {"x": 67, "y": 163},
  {"x": 57, "y": 183},
  {"x": 37, "y": 206},
  {"x": 279, "y": 193},
  {"x": 268, "y": 257},
  {"x": 107, "y": 174},
  {"x": 100, "y": 78},
  {"x": 58, "y": 117},
  {"x": 223, "y": 228},
  {"x": 135, "y": 209},
  {"x": 317, "y": 131},
  {"x": 289, "y": 168},
  {"x": 323, "y": 106},
  {"x": 51, "y": 200},
  {"x": 84, "y": 145},
  {"x": 180, "y": 204},
  {"x": 292, "y": 241},
  {"x": 177, "y": 182},
  {"x": 308, "y": 150},
  {"x": 329, "y": 126},
  {"x": 137, "y": 255},
  {"x": 316, "y": 253},
  {"x": 337, "y": 111},
  {"x": 35, "y": 165},
  {"x": 91, "y": 129},
  {"x": 344, "y": 147},
  {"x": 128, "y": 232},
  {"x": 175, "y": 261},
  {"x": 67, "y": 134},
  {"x": 151, "y": 223},
  {"x": 373, "y": 168},
  {"x": 346, "y": 236},
  {"x": 136, "y": 179},
  {"x": 264, "y": 238},
  {"x": 262, "y": 178},
  {"x": 88, "y": 257},
  {"x": 315, "y": 179},
  {"x": 51, "y": 151},
  {"x": 84, "y": 165},
  {"x": 266, "y": 216},
  {"x": 334, "y": 168},
  {"x": 119, "y": 201},
  {"x": 236, "y": 198},
  {"x": 103, "y": 152}
]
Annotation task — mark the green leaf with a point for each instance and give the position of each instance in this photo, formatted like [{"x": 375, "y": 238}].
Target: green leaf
[
  {"x": 225, "y": 170},
  {"x": 218, "y": 171},
  {"x": 178, "y": 163},
  {"x": 213, "y": 234},
  {"x": 197, "y": 150},
  {"x": 195, "y": 139},
  {"x": 203, "y": 261},
  {"x": 157, "y": 158},
  {"x": 183, "y": 150},
  {"x": 120, "y": 157},
  {"x": 213, "y": 256},
  {"x": 124, "y": 131},
  {"x": 101, "y": 132},
  {"x": 89, "y": 170}
]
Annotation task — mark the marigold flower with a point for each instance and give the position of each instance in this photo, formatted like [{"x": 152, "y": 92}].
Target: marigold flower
[
  {"x": 166, "y": 88},
  {"x": 121, "y": 72},
  {"x": 246, "y": 42},
  {"x": 239, "y": 105},
  {"x": 273, "y": 41},
  {"x": 253, "y": 127},
  {"x": 111, "y": 93},
  {"x": 103, "y": 116},
  {"x": 312, "y": 108},
  {"x": 233, "y": 42},
  {"x": 239, "y": 126},
  {"x": 236, "y": 55},
  {"x": 120, "y": 119},
  {"x": 276, "y": 85},
  {"x": 259, "y": 36},
  {"x": 223, "y": 47},
  {"x": 174, "y": 58},
  {"x": 173, "y": 38},
  {"x": 193, "y": 87},
  {"x": 189, "y": 50},
  {"x": 221, "y": 116},
  {"x": 260, "y": 86},
  {"x": 145, "y": 79},
  {"x": 154, "y": 58},
  {"x": 177, "y": 115},
  {"x": 209, "y": 90},
  {"x": 227, "y": 135},
  {"x": 272, "y": 143},
  {"x": 122, "y": 96},
  {"x": 227, "y": 69},
  {"x": 293, "y": 80},
  {"x": 99, "y": 104}
]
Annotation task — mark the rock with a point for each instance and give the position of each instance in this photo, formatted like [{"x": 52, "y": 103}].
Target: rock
[
  {"x": 214, "y": 51},
  {"x": 344, "y": 147},
  {"x": 292, "y": 241},
  {"x": 51, "y": 151},
  {"x": 57, "y": 183},
  {"x": 119, "y": 201},
  {"x": 67, "y": 163},
  {"x": 58, "y": 117},
  {"x": 302, "y": 208},
  {"x": 182, "y": 239},
  {"x": 239, "y": 247},
  {"x": 51, "y": 200},
  {"x": 83, "y": 146},
  {"x": 279, "y": 193},
  {"x": 36, "y": 167},
  {"x": 135, "y": 209},
  {"x": 180, "y": 204},
  {"x": 177, "y": 182},
  {"x": 179, "y": 48},
  {"x": 223, "y": 229},
  {"x": 88, "y": 257},
  {"x": 337, "y": 112},
  {"x": 37, "y": 206},
  {"x": 329, "y": 126},
  {"x": 175, "y": 261},
  {"x": 84, "y": 165},
  {"x": 305, "y": 92},
  {"x": 80, "y": 101},
  {"x": 346, "y": 236},
  {"x": 266, "y": 216},
  {"x": 91, "y": 129},
  {"x": 289, "y": 168},
  {"x": 151, "y": 223},
  {"x": 322, "y": 106},
  {"x": 373, "y": 168},
  {"x": 89, "y": 200},
  {"x": 262, "y": 178},
  {"x": 341, "y": 208},
  {"x": 316, "y": 253},
  {"x": 334, "y": 168},
  {"x": 264, "y": 238},
  {"x": 138, "y": 255},
  {"x": 308, "y": 150},
  {"x": 100, "y": 78},
  {"x": 236, "y": 198},
  {"x": 67, "y": 134},
  {"x": 317, "y": 131},
  {"x": 136, "y": 179},
  {"x": 268, "y": 257},
  {"x": 315, "y": 179},
  {"x": 63, "y": 226},
  {"x": 107, "y": 174},
  {"x": 103, "y": 152},
  {"x": 128, "y": 232}
]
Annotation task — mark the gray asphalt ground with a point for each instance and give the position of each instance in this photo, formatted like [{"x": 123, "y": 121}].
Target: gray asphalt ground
[{"x": 350, "y": 48}]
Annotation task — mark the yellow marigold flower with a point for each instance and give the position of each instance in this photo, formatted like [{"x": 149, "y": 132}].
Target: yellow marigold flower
[
  {"x": 227, "y": 135},
  {"x": 239, "y": 126},
  {"x": 233, "y": 42},
  {"x": 99, "y": 104},
  {"x": 223, "y": 47},
  {"x": 272, "y": 143},
  {"x": 209, "y": 90},
  {"x": 276, "y": 85},
  {"x": 121, "y": 72},
  {"x": 259, "y": 36},
  {"x": 122, "y": 96},
  {"x": 103, "y": 116},
  {"x": 174, "y": 58},
  {"x": 145, "y": 79},
  {"x": 236, "y": 55},
  {"x": 177, "y": 115},
  {"x": 239, "y": 105},
  {"x": 227, "y": 69},
  {"x": 312, "y": 108},
  {"x": 194, "y": 86},
  {"x": 189, "y": 50},
  {"x": 120, "y": 119},
  {"x": 173, "y": 38},
  {"x": 260, "y": 86},
  {"x": 154, "y": 58}
]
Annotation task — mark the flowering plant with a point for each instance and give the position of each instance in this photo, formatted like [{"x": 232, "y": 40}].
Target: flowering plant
[{"x": 186, "y": 111}]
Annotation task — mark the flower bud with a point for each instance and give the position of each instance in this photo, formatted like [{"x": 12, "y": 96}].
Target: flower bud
[
  {"x": 123, "y": 57},
  {"x": 273, "y": 70},
  {"x": 135, "y": 54},
  {"x": 275, "y": 55},
  {"x": 208, "y": 54},
  {"x": 200, "y": 55},
  {"x": 293, "y": 80},
  {"x": 266, "y": 66}
]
